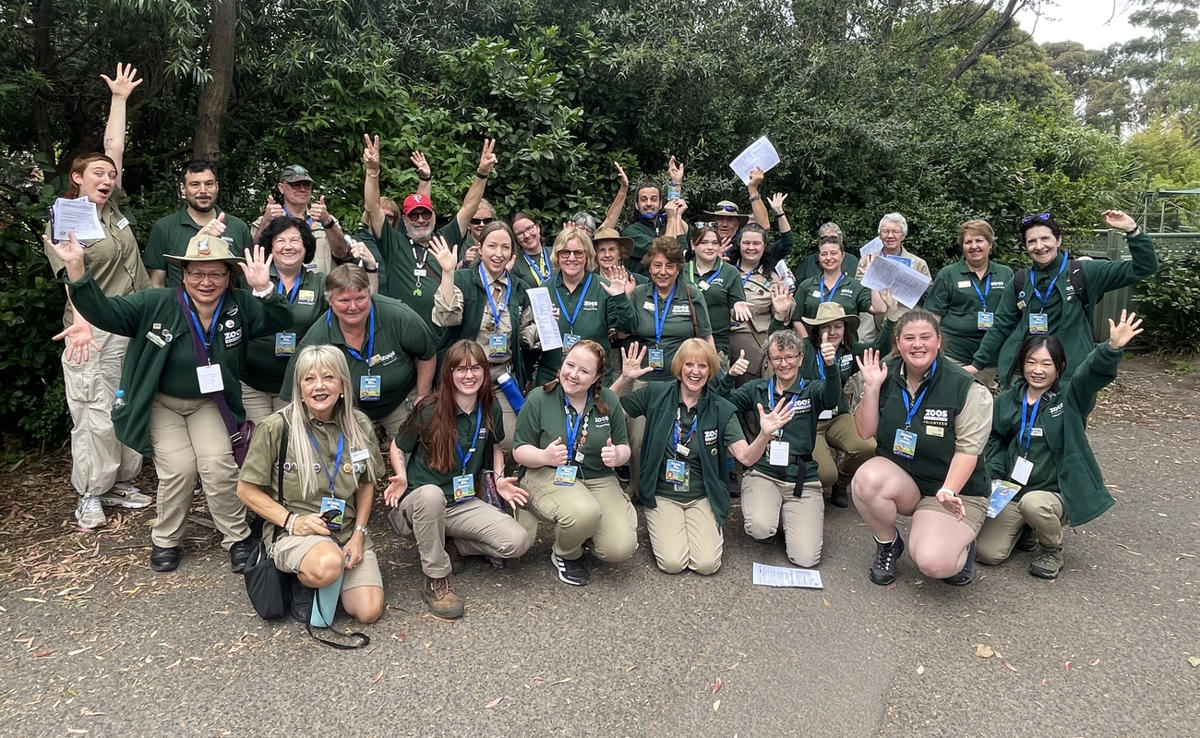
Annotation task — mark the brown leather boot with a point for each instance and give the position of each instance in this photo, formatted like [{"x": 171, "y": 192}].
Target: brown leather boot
[{"x": 441, "y": 598}]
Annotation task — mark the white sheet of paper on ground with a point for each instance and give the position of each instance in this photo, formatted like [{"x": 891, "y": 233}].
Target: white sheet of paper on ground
[
  {"x": 79, "y": 215},
  {"x": 786, "y": 576},
  {"x": 758, "y": 154},
  {"x": 907, "y": 284},
  {"x": 543, "y": 318},
  {"x": 874, "y": 246}
]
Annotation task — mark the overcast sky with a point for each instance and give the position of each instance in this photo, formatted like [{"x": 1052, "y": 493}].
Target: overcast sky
[{"x": 1085, "y": 21}]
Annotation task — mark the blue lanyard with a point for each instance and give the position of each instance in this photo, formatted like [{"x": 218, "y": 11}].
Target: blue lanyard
[
  {"x": 573, "y": 431},
  {"x": 291, "y": 296},
  {"x": 206, "y": 338},
  {"x": 582, "y": 293},
  {"x": 370, "y": 337},
  {"x": 771, "y": 398},
  {"x": 746, "y": 277},
  {"x": 680, "y": 439},
  {"x": 660, "y": 322},
  {"x": 496, "y": 313},
  {"x": 711, "y": 277},
  {"x": 821, "y": 364},
  {"x": 1025, "y": 437},
  {"x": 464, "y": 458},
  {"x": 987, "y": 278},
  {"x": 912, "y": 405},
  {"x": 1044, "y": 297},
  {"x": 536, "y": 269},
  {"x": 833, "y": 289},
  {"x": 337, "y": 464},
  {"x": 307, "y": 216}
]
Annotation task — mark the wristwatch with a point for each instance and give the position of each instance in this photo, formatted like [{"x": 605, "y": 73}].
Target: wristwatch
[
  {"x": 360, "y": 529},
  {"x": 948, "y": 491}
]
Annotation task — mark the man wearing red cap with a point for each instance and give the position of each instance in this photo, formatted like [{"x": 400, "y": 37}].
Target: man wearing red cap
[{"x": 411, "y": 276}]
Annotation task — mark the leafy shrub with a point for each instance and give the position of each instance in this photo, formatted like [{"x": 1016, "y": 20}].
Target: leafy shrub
[{"x": 1170, "y": 301}]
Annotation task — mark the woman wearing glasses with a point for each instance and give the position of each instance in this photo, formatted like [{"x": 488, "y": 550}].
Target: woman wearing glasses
[
  {"x": 893, "y": 229},
  {"x": 532, "y": 262},
  {"x": 1044, "y": 299},
  {"x": 721, "y": 285}
]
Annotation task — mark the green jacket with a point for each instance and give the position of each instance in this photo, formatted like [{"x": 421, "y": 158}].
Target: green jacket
[
  {"x": 599, "y": 312},
  {"x": 1068, "y": 319},
  {"x": 475, "y": 304},
  {"x": 953, "y": 298},
  {"x": 657, "y": 401},
  {"x": 812, "y": 368},
  {"x": 153, "y": 320},
  {"x": 1063, "y": 420}
]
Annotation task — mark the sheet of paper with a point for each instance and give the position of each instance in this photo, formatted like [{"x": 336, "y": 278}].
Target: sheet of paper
[
  {"x": 786, "y": 576},
  {"x": 543, "y": 317},
  {"x": 758, "y": 154},
  {"x": 79, "y": 215},
  {"x": 907, "y": 284},
  {"x": 874, "y": 246}
]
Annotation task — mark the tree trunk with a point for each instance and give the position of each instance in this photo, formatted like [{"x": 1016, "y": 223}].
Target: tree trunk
[
  {"x": 1002, "y": 22},
  {"x": 214, "y": 98},
  {"x": 43, "y": 60}
]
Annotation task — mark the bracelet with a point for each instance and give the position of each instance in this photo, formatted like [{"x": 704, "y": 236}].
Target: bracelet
[
  {"x": 1136, "y": 230},
  {"x": 948, "y": 491},
  {"x": 781, "y": 214},
  {"x": 360, "y": 529},
  {"x": 480, "y": 174},
  {"x": 261, "y": 293},
  {"x": 755, "y": 197},
  {"x": 291, "y": 524},
  {"x": 424, "y": 179},
  {"x": 372, "y": 174},
  {"x": 328, "y": 225},
  {"x": 371, "y": 271}
]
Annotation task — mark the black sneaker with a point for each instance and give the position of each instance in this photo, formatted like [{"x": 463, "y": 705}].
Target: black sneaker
[
  {"x": 967, "y": 574},
  {"x": 571, "y": 571},
  {"x": 883, "y": 568},
  {"x": 838, "y": 497},
  {"x": 302, "y": 601},
  {"x": 1027, "y": 541}
]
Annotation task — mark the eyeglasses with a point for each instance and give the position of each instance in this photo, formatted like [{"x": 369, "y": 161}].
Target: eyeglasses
[
  {"x": 891, "y": 232},
  {"x": 481, "y": 221},
  {"x": 565, "y": 253},
  {"x": 201, "y": 277},
  {"x": 462, "y": 371},
  {"x": 1043, "y": 217},
  {"x": 299, "y": 185},
  {"x": 786, "y": 359},
  {"x": 527, "y": 231}
]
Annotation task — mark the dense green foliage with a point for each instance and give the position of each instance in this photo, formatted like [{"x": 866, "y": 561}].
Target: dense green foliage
[{"x": 1170, "y": 302}]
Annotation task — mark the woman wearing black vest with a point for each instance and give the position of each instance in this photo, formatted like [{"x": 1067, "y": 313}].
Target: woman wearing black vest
[{"x": 930, "y": 421}]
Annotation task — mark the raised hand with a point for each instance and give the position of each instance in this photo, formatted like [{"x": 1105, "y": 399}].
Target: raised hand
[
  {"x": 632, "y": 357},
  {"x": 675, "y": 170},
  {"x": 1122, "y": 332},
  {"x": 487, "y": 159},
  {"x": 272, "y": 210},
  {"x": 421, "y": 164},
  {"x": 608, "y": 455},
  {"x": 617, "y": 282},
  {"x": 214, "y": 227},
  {"x": 70, "y": 252},
  {"x": 556, "y": 453},
  {"x": 873, "y": 370},
  {"x": 360, "y": 251},
  {"x": 445, "y": 254},
  {"x": 782, "y": 301},
  {"x": 769, "y": 422},
  {"x": 756, "y": 178},
  {"x": 740, "y": 365},
  {"x": 828, "y": 353},
  {"x": 675, "y": 207},
  {"x": 1119, "y": 220},
  {"x": 776, "y": 202},
  {"x": 318, "y": 211},
  {"x": 257, "y": 268},
  {"x": 370, "y": 154},
  {"x": 621, "y": 176},
  {"x": 124, "y": 82}
]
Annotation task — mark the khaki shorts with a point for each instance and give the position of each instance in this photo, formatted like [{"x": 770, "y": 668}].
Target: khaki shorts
[
  {"x": 289, "y": 551},
  {"x": 975, "y": 508}
]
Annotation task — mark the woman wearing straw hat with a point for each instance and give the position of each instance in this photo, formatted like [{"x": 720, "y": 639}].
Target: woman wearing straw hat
[{"x": 181, "y": 379}]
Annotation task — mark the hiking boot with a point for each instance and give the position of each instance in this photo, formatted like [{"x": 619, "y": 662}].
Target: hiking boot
[
  {"x": 570, "y": 571},
  {"x": 1048, "y": 563},
  {"x": 838, "y": 497},
  {"x": 165, "y": 558},
  {"x": 457, "y": 564},
  {"x": 89, "y": 513},
  {"x": 966, "y": 575},
  {"x": 883, "y": 568},
  {"x": 124, "y": 494},
  {"x": 1027, "y": 540},
  {"x": 441, "y": 599}
]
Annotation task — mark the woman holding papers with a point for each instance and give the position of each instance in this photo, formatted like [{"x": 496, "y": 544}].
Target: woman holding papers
[
  {"x": 690, "y": 434},
  {"x": 930, "y": 422},
  {"x": 571, "y": 437},
  {"x": 1039, "y": 448},
  {"x": 585, "y": 303},
  {"x": 102, "y": 468},
  {"x": 893, "y": 229}
]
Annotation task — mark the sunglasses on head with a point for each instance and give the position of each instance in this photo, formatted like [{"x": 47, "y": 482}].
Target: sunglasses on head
[
  {"x": 481, "y": 221},
  {"x": 1043, "y": 217},
  {"x": 726, "y": 208}
]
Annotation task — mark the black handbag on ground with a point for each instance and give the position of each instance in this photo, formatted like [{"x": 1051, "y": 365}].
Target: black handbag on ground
[{"x": 269, "y": 588}]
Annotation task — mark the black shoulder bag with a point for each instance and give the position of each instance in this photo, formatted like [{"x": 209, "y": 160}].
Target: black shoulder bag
[{"x": 269, "y": 588}]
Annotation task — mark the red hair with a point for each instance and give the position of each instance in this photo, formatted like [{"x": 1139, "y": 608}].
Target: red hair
[
  {"x": 79, "y": 164},
  {"x": 438, "y": 434}
]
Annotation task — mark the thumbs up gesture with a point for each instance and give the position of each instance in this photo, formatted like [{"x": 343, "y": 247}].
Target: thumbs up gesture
[
  {"x": 318, "y": 212},
  {"x": 740, "y": 366},
  {"x": 214, "y": 227},
  {"x": 608, "y": 455},
  {"x": 273, "y": 209},
  {"x": 556, "y": 453}
]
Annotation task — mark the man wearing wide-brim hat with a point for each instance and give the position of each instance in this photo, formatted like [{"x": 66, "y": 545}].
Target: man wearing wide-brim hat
[{"x": 727, "y": 218}]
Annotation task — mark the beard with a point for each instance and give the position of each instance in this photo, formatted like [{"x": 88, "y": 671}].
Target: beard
[{"x": 419, "y": 234}]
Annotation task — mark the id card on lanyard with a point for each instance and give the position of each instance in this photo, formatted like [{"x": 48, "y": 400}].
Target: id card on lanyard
[
  {"x": 905, "y": 443},
  {"x": 657, "y": 359},
  {"x": 208, "y": 376},
  {"x": 1039, "y": 322},
  {"x": 570, "y": 338},
  {"x": 1022, "y": 466},
  {"x": 984, "y": 319},
  {"x": 497, "y": 341},
  {"x": 676, "y": 471},
  {"x": 565, "y": 474},
  {"x": 779, "y": 450},
  {"x": 370, "y": 387},
  {"x": 464, "y": 483}
]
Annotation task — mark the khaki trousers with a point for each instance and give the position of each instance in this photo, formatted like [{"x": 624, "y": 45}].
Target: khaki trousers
[
  {"x": 189, "y": 438},
  {"x": 259, "y": 404},
  {"x": 478, "y": 529},
  {"x": 766, "y": 502},
  {"x": 1039, "y": 509},
  {"x": 98, "y": 459},
  {"x": 590, "y": 508},
  {"x": 841, "y": 434},
  {"x": 685, "y": 535}
]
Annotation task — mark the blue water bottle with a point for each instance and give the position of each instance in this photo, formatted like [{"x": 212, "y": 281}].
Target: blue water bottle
[
  {"x": 512, "y": 391},
  {"x": 119, "y": 399}
]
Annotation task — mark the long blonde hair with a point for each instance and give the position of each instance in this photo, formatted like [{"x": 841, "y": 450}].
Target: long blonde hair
[{"x": 344, "y": 415}]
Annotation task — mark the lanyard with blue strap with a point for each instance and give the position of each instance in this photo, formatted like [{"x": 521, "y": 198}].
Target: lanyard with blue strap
[
  {"x": 465, "y": 458},
  {"x": 911, "y": 405},
  {"x": 680, "y": 439},
  {"x": 291, "y": 296},
  {"x": 496, "y": 312},
  {"x": 370, "y": 337},
  {"x": 987, "y": 281},
  {"x": 1028, "y": 418},
  {"x": 1044, "y": 297},
  {"x": 539, "y": 275},
  {"x": 771, "y": 396},
  {"x": 205, "y": 338},
  {"x": 573, "y": 430},
  {"x": 711, "y": 277},
  {"x": 570, "y": 317},
  {"x": 337, "y": 465},
  {"x": 306, "y": 215},
  {"x": 659, "y": 322},
  {"x": 832, "y": 290}
]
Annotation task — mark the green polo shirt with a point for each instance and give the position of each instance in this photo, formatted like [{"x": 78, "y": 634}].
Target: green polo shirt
[
  {"x": 811, "y": 267},
  {"x": 849, "y": 293},
  {"x": 170, "y": 236},
  {"x": 532, "y": 274},
  {"x": 419, "y": 472},
  {"x": 261, "y": 469},
  {"x": 954, "y": 296},
  {"x": 264, "y": 369},
  {"x": 721, "y": 287},
  {"x": 544, "y": 418},
  {"x": 401, "y": 338},
  {"x": 642, "y": 232},
  {"x": 598, "y": 312},
  {"x": 810, "y": 399},
  {"x": 677, "y": 325},
  {"x": 403, "y": 271}
]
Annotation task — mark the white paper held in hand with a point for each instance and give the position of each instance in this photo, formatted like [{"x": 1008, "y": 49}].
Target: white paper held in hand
[
  {"x": 758, "y": 154},
  {"x": 543, "y": 318},
  {"x": 874, "y": 246},
  {"x": 79, "y": 215},
  {"x": 907, "y": 284}
]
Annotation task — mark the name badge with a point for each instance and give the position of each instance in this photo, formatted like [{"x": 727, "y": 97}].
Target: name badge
[
  {"x": 905, "y": 444},
  {"x": 359, "y": 454},
  {"x": 285, "y": 344},
  {"x": 570, "y": 339},
  {"x": 497, "y": 345},
  {"x": 682, "y": 450},
  {"x": 564, "y": 476},
  {"x": 333, "y": 512},
  {"x": 155, "y": 339},
  {"x": 209, "y": 379},
  {"x": 817, "y": 294},
  {"x": 779, "y": 453},
  {"x": 825, "y": 415},
  {"x": 123, "y": 223},
  {"x": 655, "y": 356},
  {"x": 648, "y": 306},
  {"x": 419, "y": 272},
  {"x": 464, "y": 487},
  {"x": 676, "y": 472},
  {"x": 1021, "y": 470},
  {"x": 703, "y": 286},
  {"x": 1039, "y": 323},
  {"x": 369, "y": 387},
  {"x": 984, "y": 320},
  {"x": 964, "y": 283},
  {"x": 306, "y": 297},
  {"x": 1002, "y": 494}
]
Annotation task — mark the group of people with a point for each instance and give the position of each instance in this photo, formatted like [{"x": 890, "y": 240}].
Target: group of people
[{"x": 261, "y": 361}]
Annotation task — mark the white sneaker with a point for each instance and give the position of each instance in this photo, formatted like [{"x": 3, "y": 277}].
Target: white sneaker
[
  {"x": 89, "y": 513},
  {"x": 124, "y": 494}
]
